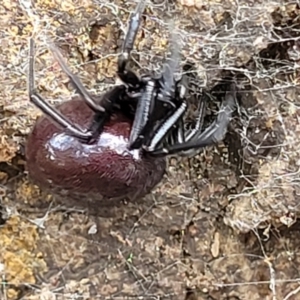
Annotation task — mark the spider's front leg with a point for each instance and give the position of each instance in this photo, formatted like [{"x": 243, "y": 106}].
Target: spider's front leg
[
  {"x": 126, "y": 75},
  {"x": 161, "y": 103},
  {"x": 168, "y": 100},
  {"x": 139, "y": 89}
]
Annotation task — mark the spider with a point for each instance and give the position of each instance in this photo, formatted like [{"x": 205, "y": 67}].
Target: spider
[{"x": 114, "y": 145}]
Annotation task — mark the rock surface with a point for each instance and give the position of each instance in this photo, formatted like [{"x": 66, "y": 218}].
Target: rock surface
[{"x": 222, "y": 224}]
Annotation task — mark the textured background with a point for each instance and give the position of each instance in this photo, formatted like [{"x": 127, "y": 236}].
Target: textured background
[{"x": 221, "y": 225}]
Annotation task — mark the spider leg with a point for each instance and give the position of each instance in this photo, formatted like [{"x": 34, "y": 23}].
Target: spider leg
[
  {"x": 48, "y": 110},
  {"x": 188, "y": 135},
  {"x": 165, "y": 128},
  {"x": 176, "y": 135},
  {"x": 213, "y": 134},
  {"x": 199, "y": 120},
  {"x": 128, "y": 76},
  {"x": 141, "y": 129},
  {"x": 171, "y": 120},
  {"x": 145, "y": 106},
  {"x": 180, "y": 134},
  {"x": 167, "y": 85},
  {"x": 75, "y": 80},
  {"x": 108, "y": 101},
  {"x": 167, "y": 78}
]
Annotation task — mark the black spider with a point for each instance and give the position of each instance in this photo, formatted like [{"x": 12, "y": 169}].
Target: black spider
[
  {"x": 158, "y": 104},
  {"x": 130, "y": 130}
]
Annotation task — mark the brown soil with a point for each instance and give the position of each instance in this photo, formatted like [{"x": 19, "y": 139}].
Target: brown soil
[{"x": 221, "y": 225}]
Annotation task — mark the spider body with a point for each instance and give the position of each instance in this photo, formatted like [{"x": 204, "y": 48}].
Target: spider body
[
  {"x": 104, "y": 167},
  {"x": 73, "y": 150}
]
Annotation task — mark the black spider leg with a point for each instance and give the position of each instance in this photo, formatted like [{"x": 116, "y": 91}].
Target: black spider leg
[
  {"x": 165, "y": 128},
  {"x": 139, "y": 89},
  {"x": 75, "y": 81},
  {"x": 171, "y": 91},
  {"x": 126, "y": 75},
  {"x": 213, "y": 134},
  {"x": 104, "y": 104},
  {"x": 189, "y": 134},
  {"x": 108, "y": 101},
  {"x": 144, "y": 110},
  {"x": 180, "y": 134},
  {"x": 48, "y": 110},
  {"x": 167, "y": 124},
  {"x": 168, "y": 84},
  {"x": 102, "y": 107}
]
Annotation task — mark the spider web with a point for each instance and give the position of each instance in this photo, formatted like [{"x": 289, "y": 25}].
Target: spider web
[{"x": 221, "y": 225}]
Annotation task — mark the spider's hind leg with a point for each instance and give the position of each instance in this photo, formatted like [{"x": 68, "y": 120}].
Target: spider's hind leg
[
  {"x": 75, "y": 81},
  {"x": 47, "y": 109}
]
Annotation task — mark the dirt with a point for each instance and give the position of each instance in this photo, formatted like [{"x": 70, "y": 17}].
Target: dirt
[{"x": 222, "y": 224}]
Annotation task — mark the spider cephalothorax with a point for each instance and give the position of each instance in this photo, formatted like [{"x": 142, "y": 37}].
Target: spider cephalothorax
[{"x": 114, "y": 144}]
